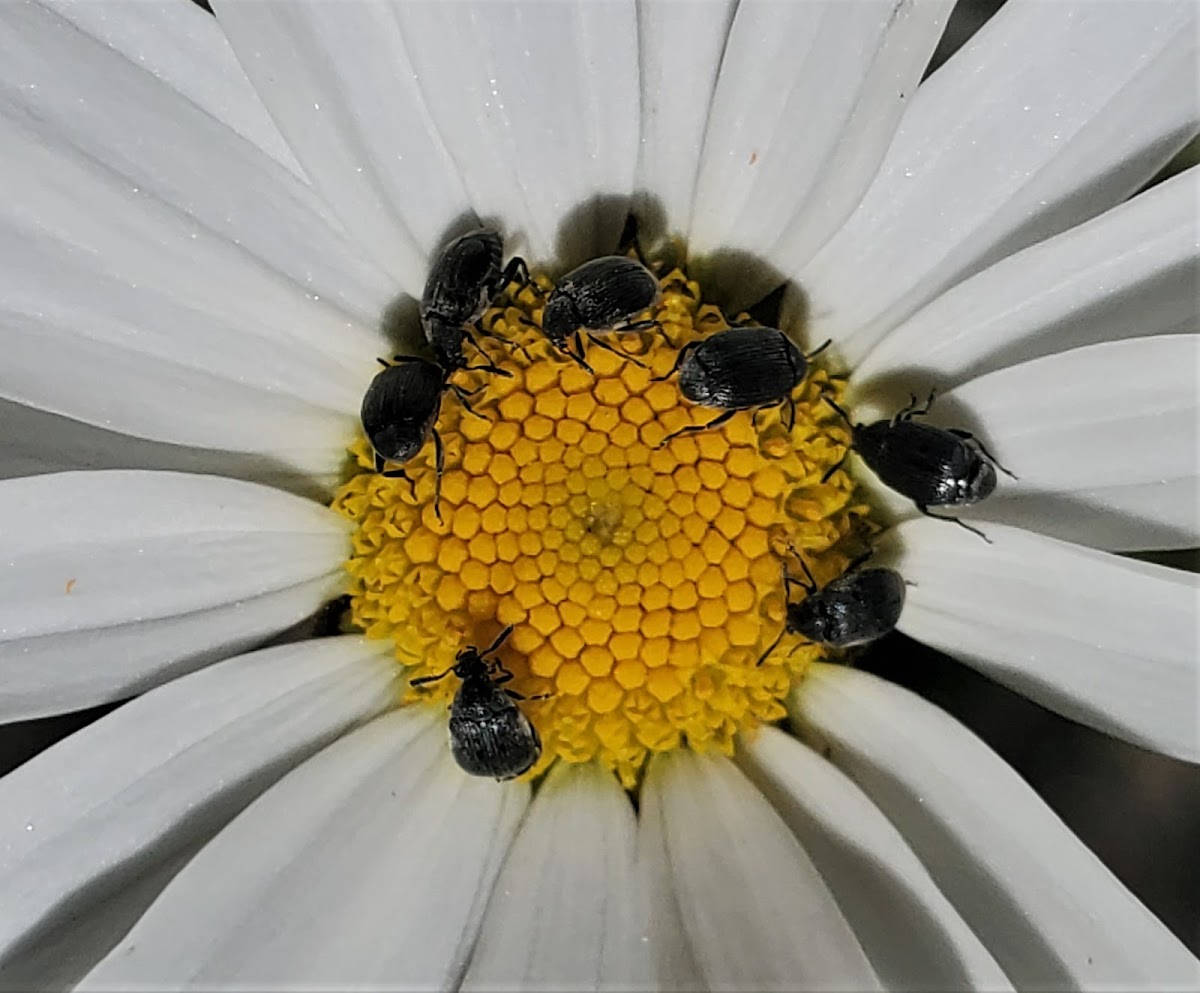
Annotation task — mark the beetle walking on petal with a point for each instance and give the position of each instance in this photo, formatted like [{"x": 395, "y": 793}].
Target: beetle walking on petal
[{"x": 932, "y": 466}]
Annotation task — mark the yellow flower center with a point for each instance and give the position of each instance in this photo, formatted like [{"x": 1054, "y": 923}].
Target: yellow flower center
[{"x": 643, "y": 580}]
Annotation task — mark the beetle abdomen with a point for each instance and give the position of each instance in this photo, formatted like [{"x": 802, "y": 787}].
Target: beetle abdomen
[
  {"x": 400, "y": 407},
  {"x": 463, "y": 278},
  {"x": 489, "y": 736},
  {"x": 929, "y": 465},
  {"x": 742, "y": 368},
  {"x": 608, "y": 291}
]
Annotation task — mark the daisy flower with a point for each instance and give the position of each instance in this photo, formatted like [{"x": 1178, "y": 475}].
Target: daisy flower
[{"x": 216, "y": 225}]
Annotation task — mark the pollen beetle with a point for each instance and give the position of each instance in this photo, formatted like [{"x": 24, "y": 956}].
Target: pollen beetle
[
  {"x": 856, "y": 608},
  {"x": 600, "y": 295},
  {"x": 399, "y": 411},
  {"x": 464, "y": 280},
  {"x": 740, "y": 369},
  {"x": 489, "y": 736},
  {"x": 932, "y": 466}
]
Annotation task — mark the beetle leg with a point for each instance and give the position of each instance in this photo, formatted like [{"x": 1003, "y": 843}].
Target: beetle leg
[
  {"x": 616, "y": 351},
  {"x": 462, "y": 398},
  {"x": 836, "y": 466},
  {"x": 716, "y": 422},
  {"x": 855, "y": 563},
  {"x": 577, "y": 355},
  {"x": 954, "y": 520},
  {"x": 439, "y": 463},
  {"x": 791, "y": 401},
  {"x": 770, "y": 648},
  {"x": 845, "y": 416},
  {"x": 678, "y": 359},
  {"x": 384, "y": 362},
  {"x": 967, "y": 436},
  {"x": 908, "y": 412}
]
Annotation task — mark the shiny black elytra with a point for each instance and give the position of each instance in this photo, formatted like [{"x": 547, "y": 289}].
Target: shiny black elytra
[
  {"x": 858, "y": 607},
  {"x": 465, "y": 278},
  {"x": 933, "y": 467},
  {"x": 489, "y": 736},
  {"x": 399, "y": 411},
  {"x": 600, "y": 295},
  {"x": 740, "y": 369}
]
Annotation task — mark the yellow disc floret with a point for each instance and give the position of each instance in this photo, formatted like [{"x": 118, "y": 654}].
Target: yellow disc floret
[{"x": 642, "y": 573}]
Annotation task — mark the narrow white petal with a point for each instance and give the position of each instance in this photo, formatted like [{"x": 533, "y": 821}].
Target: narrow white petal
[
  {"x": 181, "y": 45},
  {"x": 679, "y": 47},
  {"x": 1102, "y": 640},
  {"x": 1051, "y": 114},
  {"x": 1109, "y": 433},
  {"x": 1131, "y": 272},
  {"x": 339, "y": 81},
  {"x": 910, "y": 931},
  {"x": 807, "y": 101},
  {"x": 112, "y": 582},
  {"x": 564, "y": 911},
  {"x": 756, "y": 912},
  {"x": 539, "y": 108},
  {"x": 368, "y": 866},
  {"x": 138, "y": 296},
  {"x": 34, "y": 442},
  {"x": 89, "y": 818},
  {"x": 1048, "y": 910}
]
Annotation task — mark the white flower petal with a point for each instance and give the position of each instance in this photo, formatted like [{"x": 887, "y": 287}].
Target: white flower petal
[
  {"x": 755, "y": 910},
  {"x": 563, "y": 913},
  {"x": 679, "y": 46},
  {"x": 910, "y": 931},
  {"x": 34, "y": 442},
  {"x": 1131, "y": 272},
  {"x": 1102, "y": 640},
  {"x": 368, "y": 866},
  {"x": 539, "y": 108},
  {"x": 339, "y": 81},
  {"x": 807, "y": 100},
  {"x": 84, "y": 821},
  {"x": 122, "y": 122},
  {"x": 1046, "y": 907},
  {"x": 181, "y": 45},
  {"x": 137, "y": 296},
  {"x": 1112, "y": 428},
  {"x": 112, "y": 582},
  {"x": 1052, "y": 113}
]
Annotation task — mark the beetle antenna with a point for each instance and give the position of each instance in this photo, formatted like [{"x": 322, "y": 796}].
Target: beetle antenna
[
  {"x": 819, "y": 349},
  {"x": 422, "y": 680},
  {"x": 501, "y": 638}
]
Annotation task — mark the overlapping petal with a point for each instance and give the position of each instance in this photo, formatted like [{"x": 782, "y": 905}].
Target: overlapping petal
[
  {"x": 182, "y": 46},
  {"x": 340, "y": 82},
  {"x": 368, "y": 866},
  {"x": 1103, "y": 640},
  {"x": 806, "y": 103},
  {"x": 1104, "y": 440},
  {"x": 538, "y": 107},
  {"x": 1051, "y": 114},
  {"x": 1048, "y": 910},
  {"x": 755, "y": 911},
  {"x": 912, "y": 934},
  {"x": 565, "y": 911},
  {"x": 1129, "y": 273},
  {"x": 113, "y": 582},
  {"x": 101, "y": 815}
]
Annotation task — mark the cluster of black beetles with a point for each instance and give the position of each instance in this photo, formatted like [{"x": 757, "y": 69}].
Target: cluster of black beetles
[{"x": 741, "y": 368}]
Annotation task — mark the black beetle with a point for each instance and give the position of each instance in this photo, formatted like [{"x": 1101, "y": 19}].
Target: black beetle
[
  {"x": 464, "y": 280},
  {"x": 740, "y": 369},
  {"x": 600, "y": 295},
  {"x": 933, "y": 467},
  {"x": 489, "y": 736},
  {"x": 399, "y": 411},
  {"x": 856, "y": 608}
]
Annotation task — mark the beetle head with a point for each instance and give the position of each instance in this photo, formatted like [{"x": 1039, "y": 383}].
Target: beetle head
[
  {"x": 980, "y": 480},
  {"x": 559, "y": 319},
  {"x": 469, "y": 663}
]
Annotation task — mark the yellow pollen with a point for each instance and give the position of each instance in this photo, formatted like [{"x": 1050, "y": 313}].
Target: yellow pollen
[{"x": 643, "y": 580}]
